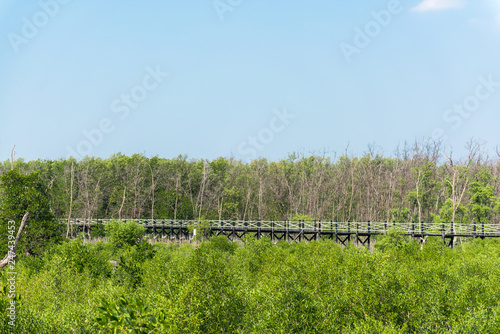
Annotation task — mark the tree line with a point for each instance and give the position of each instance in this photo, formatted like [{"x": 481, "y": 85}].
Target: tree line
[{"x": 420, "y": 182}]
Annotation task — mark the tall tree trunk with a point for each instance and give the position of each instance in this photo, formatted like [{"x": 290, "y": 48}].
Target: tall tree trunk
[
  {"x": 12, "y": 157},
  {"x": 70, "y": 199},
  {"x": 123, "y": 202},
  {"x": 176, "y": 196}
]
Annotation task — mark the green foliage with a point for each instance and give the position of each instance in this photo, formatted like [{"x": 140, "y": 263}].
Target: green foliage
[
  {"x": 400, "y": 215},
  {"x": 89, "y": 259},
  {"x": 27, "y": 193},
  {"x": 24, "y": 193},
  {"x": 261, "y": 287},
  {"x": 129, "y": 271},
  {"x": 422, "y": 197},
  {"x": 299, "y": 216},
  {"x": 121, "y": 234},
  {"x": 394, "y": 239},
  {"x": 128, "y": 315},
  {"x": 446, "y": 212},
  {"x": 482, "y": 199},
  {"x": 202, "y": 230},
  {"x": 310, "y": 187}
]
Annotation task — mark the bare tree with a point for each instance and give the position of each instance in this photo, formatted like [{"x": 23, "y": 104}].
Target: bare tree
[
  {"x": 202, "y": 189},
  {"x": 124, "y": 196},
  {"x": 89, "y": 188},
  {"x": 70, "y": 199},
  {"x": 459, "y": 178},
  {"x": 154, "y": 182},
  {"x": 12, "y": 157},
  {"x": 12, "y": 253}
]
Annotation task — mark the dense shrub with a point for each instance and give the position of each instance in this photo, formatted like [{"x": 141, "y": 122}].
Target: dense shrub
[
  {"x": 121, "y": 234},
  {"x": 260, "y": 287},
  {"x": 27, "y": 193},
  {"x": 130, "y": 260}
]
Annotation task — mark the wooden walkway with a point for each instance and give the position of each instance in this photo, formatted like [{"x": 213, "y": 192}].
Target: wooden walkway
[{"x": 360, "y": 233}]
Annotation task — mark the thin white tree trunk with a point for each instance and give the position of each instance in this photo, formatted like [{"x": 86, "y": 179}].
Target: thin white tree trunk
[
  {"x": 70, "y": 200},
  {"x": 12, "y": 253}
]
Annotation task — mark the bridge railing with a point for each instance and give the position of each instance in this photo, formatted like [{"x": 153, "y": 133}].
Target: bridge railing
[{"x": 478, "y": 229}]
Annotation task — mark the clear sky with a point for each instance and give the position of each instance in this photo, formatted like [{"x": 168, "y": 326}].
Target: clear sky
[{"x": 260, "y": 78}]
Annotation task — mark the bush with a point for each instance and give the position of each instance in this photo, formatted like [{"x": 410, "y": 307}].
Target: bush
[
  {"x": 131, "y": 259},
  {"x": 92, "y": 259},
  {"x": 27, "y": 193},
  {"x": 261, "y": 287},
  {"x": 300, "y": 216},
  {"x": 129, "y": 315},
  {"x": 202, "y": 230},
  {"x": 120, "y": 233},
  {"x": 394, "y": 239}
]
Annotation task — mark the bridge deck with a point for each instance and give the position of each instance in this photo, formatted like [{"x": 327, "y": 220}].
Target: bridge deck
[{"x": 366, "y": 228}]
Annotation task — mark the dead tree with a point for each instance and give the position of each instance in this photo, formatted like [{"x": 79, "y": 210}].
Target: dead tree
[
  {"x": 70, "y": 200},
  {"x": 12, "y": 252},
  {"x": 12, "y": 157}
]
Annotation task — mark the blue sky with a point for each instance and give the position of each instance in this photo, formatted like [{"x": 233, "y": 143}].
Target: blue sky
[{"x": 245, "y": 78}]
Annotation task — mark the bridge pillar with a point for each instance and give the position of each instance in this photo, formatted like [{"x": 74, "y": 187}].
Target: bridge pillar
[
  {"x": 287, "y": 234},
  {"x": 272, "y": 231},
  {"x": 233, "y": 231}
]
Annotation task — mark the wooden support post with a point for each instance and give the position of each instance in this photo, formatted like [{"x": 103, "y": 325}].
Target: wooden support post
[
  {"x": 368, "y": 234},
  {"x": 385, "y": 226},
  {"x": 452, "y": 235},
  {"x": 336, "y": 230},
  {"x": 233, "y": 231},
  {"x": 349, "y": 231},
  {"x": 473, "y": 229},
  {"x": 300, "y": 230},
  {"x": 171, "y": 229},
  {"x": 287, "y": 234},
  {"x": 482, "y": 228},
  {"x": 272, "y": 231},
  {"x": 180, "y": 230},
  {"x": 357, "y": 230},
  {"x": 315, "y": 231},
  {"x": 258, "y": 229},
  {"x": 442, "y": 233},
  {"x": 319, "y": 229}
]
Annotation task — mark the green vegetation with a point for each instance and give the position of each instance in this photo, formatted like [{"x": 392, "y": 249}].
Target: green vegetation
[
  {"x": 120, "y": 234},
  {"x": 419, "y": 183},
  {"x": 27, "y": 193},
  {"x": 124, "y": 283},
  {"x": 258, "y": 287}
]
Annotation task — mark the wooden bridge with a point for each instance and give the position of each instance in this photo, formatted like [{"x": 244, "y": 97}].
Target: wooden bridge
[{"x": 359, "y": 233}]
